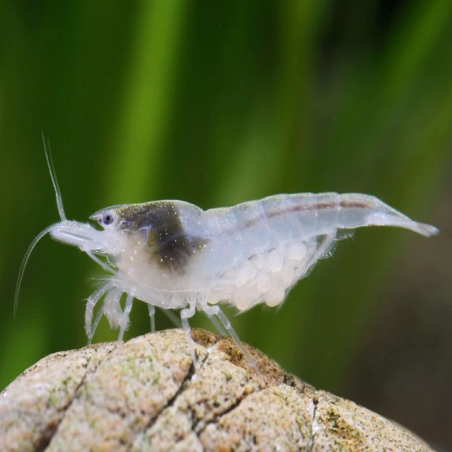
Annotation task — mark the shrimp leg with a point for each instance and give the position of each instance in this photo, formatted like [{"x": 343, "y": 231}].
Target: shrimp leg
[
  {"x": 105, "y": 266},
  {"x": 98, "y": 318},
  {"x": 91, "y": 303},
  {"x": 173, "y": 317},
  {"x": 185, "y": 315},
  {"x": 215, "y": 321},
  {"x": 151, "y": 309},
  {"x": 125, "y": 317},
  {"x": 212, "y": 311}
]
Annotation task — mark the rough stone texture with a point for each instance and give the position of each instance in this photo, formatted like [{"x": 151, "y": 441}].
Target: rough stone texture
[
  {"x": 146, "y": 396},
  {"x": 33, "y": 405}
]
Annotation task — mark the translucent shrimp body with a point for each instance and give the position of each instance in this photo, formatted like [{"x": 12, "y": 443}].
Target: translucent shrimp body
[{"x": 174, "y": 255}]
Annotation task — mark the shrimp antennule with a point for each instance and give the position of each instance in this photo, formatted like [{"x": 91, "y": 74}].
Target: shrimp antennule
[{"x": 59, "y": 198}]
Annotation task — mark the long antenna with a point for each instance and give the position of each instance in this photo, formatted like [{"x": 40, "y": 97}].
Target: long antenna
[
  {"x": 25, "y": 260},
  {"x": 59, "y": 199}
]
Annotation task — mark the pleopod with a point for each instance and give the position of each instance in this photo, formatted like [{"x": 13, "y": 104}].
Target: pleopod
[{"x": 174, "y": 255}]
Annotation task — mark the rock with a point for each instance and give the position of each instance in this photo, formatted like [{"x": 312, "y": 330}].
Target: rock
[{"x": 145, "y": 395}]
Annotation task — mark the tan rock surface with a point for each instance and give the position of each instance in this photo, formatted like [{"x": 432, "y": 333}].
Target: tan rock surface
[{"x": 146, "y": 396}]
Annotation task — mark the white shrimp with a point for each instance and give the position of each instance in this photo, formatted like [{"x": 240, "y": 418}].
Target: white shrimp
[{"x": 174, "y": 255}]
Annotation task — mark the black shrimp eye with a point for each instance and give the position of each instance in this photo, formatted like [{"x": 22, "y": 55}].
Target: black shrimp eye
[{"x": 107, "y": 218}]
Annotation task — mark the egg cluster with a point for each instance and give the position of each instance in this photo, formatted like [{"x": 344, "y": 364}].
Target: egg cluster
[{"x": 264, "y": 277}]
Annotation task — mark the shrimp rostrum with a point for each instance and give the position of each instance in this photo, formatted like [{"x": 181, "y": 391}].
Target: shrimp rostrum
[{"x": 174, "y": 255}]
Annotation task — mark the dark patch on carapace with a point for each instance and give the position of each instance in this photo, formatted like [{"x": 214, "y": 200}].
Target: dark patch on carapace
[{"x": 168, "y": 242}]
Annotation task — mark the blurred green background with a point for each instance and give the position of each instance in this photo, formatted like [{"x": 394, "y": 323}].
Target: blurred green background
[{"x": 216, "y": 103}]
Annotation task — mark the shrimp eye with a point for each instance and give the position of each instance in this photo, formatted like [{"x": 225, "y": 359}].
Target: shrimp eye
[{"x": 107, "y": 218}]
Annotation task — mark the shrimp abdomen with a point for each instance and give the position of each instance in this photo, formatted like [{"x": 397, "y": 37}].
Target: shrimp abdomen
[{"x": 313, "y": 215}]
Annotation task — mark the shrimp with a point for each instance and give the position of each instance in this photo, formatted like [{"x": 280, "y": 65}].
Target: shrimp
[{"x": 174, "y": 255}]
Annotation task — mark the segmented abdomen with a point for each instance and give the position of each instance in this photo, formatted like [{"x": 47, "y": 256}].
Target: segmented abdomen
[
  {"x": 267, "y": 246},
  {"x": 260, "y": 249}
]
